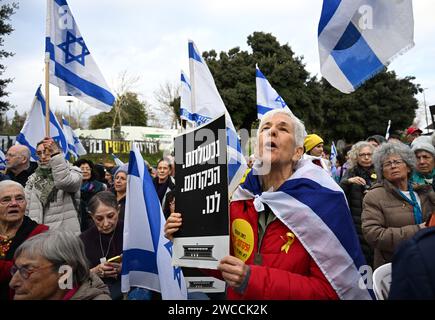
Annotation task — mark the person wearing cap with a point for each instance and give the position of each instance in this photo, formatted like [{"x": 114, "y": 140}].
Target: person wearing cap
[
  {"x": 313, "y": 146},
  {"x": 424, "y": 171},
  {"x": 412, "y": 133}
]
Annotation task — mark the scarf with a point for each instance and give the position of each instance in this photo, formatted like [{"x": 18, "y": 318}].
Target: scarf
[
  {"x": 314, "y": 208},
  {"x": 418, "y": 215},
  {"x": 44, "y": 184}
]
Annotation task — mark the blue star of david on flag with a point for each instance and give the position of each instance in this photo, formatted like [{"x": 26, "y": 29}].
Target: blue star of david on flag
[
  {"x": 177, "y": 270},
  {"x": 71, "y": 39},
  {"x": 281, "y": 100}
]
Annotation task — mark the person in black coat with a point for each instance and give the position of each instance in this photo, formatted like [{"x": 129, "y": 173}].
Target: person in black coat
[
  {"x": 413, "y": 268},
  {"x": 355, "y": 184}
]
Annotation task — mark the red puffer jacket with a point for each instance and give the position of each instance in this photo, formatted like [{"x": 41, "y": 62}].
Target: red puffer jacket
[{"x": 291, "y": 276}]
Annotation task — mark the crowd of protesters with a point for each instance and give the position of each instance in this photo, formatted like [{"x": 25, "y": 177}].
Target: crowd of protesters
[{"x": 54, "y": 213}]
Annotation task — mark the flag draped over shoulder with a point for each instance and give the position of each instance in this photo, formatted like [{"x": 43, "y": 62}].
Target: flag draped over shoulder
[
  {"x": 207, "y": 104},
  {"x": 33, "y": 129},
  {"x": 147, "y": 254},
  {"x": 186, "y": 99},
  {"x": 75, "y": 146},
  {"x": 72, "y": 67},
  {"x": 267, "y": 97},
  {"x": 359, "y": 38},
  {"x": 314, "y": 208}
]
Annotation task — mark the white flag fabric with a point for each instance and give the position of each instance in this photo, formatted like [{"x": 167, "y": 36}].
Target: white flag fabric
[
  {"x": 118, "y": 161},
  {"x": 207, "y": 104},
  {"x": 75, "y": 147},
  {"x": 186, "y": 99},
  {"x": 33, "y": 129},
  {"x": 359, "y": 38},
  {"x": 147, "y": 254},
  {"x": 72, "y": 68},
  {"x": 267, "y": 97}
]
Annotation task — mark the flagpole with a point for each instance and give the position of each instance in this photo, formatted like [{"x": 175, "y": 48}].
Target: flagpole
[
  {"x": 47, "y": 75},
  {"x": 192, "y": 86},
  {"x": 47, "y": 99}
]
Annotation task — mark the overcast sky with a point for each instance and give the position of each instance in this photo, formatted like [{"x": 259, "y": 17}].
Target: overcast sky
[{"x": 149, "y": 39}]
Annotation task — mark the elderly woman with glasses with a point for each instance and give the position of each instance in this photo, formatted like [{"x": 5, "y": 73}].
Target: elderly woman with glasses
[
  {"x": 393, "y": 210},
  {"x": 15, "y": 228},
  {"x": 355, "y": 184},
  {"x": 53, "y": 266}
]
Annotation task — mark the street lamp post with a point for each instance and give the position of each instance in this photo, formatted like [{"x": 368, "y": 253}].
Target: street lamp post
[{"x": 69, "y": 110}]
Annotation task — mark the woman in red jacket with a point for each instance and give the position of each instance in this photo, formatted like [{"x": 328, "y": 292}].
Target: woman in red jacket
[
  {"x": 15, "y": 228},
  {"x": 291, "y": 231}
]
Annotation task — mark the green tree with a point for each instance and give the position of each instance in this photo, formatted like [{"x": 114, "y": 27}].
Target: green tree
[
  {"x": 324, "y": 109},
  {"x": 234, "y": 74},
  {"x": 132, "y": 110},
  {"x": 6, "y": 10},
  {"x": 16, "y": 124},
  {"x": 366, "y": 111}
]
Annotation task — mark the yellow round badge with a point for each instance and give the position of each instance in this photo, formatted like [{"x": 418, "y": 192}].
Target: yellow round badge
[{"x": 243, "y": 239}]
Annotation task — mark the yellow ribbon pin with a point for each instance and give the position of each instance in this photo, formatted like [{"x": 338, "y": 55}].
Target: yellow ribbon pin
[{"x": 289, "y": 241}]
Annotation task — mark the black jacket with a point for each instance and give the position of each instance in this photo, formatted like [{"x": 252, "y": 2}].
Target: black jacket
[
  {"x": 355, "y": 194},
  {"x": 413, "y": 273}
]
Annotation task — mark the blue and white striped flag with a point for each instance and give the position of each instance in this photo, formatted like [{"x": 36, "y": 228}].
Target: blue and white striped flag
[
  {"x": 186, "y": 99},
  {"x": 359, "y": 38},
  {"x": 75, "y": 147},
  {"x": 207, "y": 104},
  {"x": 147, "y": 254},
  {"x": 315, "y": 209},
  {"x": 2, "y": 160},
  {"x": 33, "y": 129},
  {"x": 72, "y": 67},
  {"x": 267, "y": 97},
  {"x": 333, "y": 156}
]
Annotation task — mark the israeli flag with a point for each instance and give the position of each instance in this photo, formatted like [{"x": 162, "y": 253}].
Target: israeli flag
[
  {"x": 186, "y": 99},
  {"x": 359, "y": 38},
  {"x": 267, "y": 97},
  {"x": 118, "y": 161},
  {"x": 2, "y": 160},
  {"x": 147, "y": 254},
  {"x": 72, "y": 68},
  {"x": 75, "y": 147},
  {"x": 33, "y": 129},
  {"x": 333, "y": 156},
  {"x": 207, "y": 104}
]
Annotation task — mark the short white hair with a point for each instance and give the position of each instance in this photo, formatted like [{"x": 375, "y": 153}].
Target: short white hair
[
  {"x": 10, "y": 183},
  {"x": 298, "y": 126}
]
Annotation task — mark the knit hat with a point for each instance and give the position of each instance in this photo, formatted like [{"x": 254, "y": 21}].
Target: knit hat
[
  {"x": 311, "y": 141},
  {"x": 423, "y": 143}
]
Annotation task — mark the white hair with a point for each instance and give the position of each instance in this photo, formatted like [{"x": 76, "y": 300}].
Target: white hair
[
  {"x": 298, "y": 126},
  {"x": 10, "y": 183}
]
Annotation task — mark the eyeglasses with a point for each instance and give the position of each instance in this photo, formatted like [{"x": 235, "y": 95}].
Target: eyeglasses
[
  {"x": 8, "y": 200},
  {"x": 389, "y": 164},
  {"x": 25, "y": 272},
  {"x": 362, "y": 155}
]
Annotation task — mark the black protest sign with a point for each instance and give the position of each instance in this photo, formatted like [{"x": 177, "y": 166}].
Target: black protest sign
[{"x": 201, "y": 195}]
